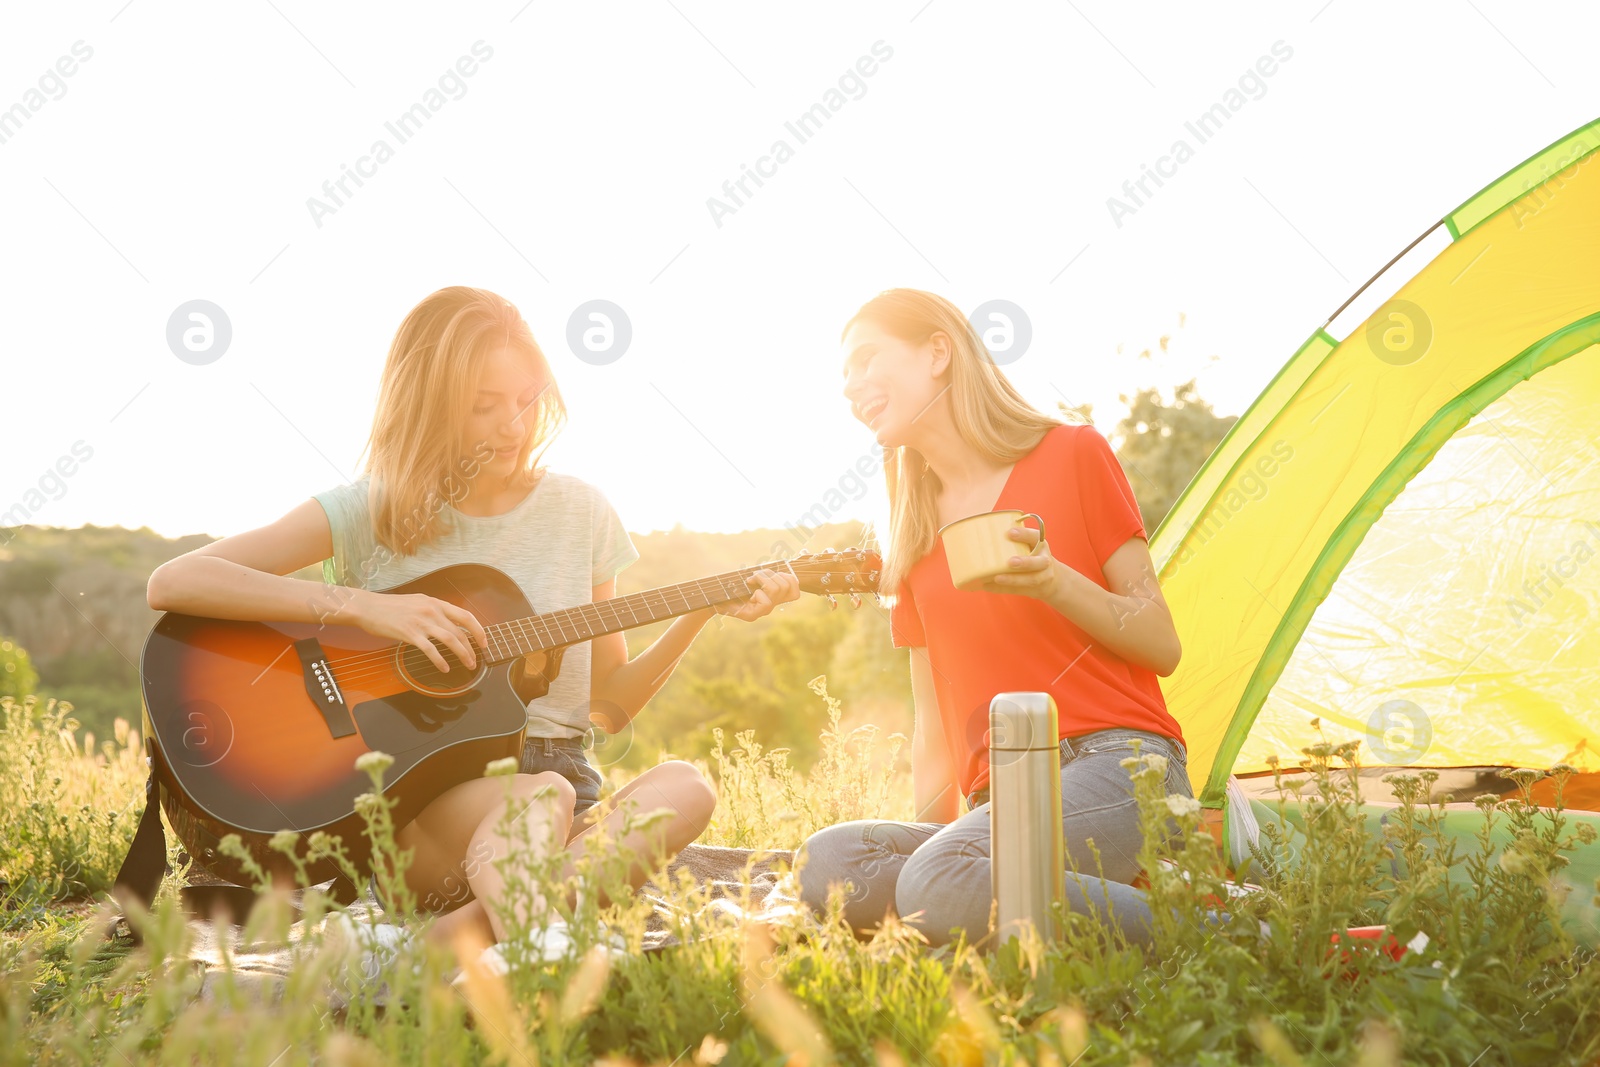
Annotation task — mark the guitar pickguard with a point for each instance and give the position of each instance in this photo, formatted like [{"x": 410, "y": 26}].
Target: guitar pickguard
[{"x": 409, "y": 719}]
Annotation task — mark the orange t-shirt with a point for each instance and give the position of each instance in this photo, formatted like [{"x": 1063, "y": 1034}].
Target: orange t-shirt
[{"x": 982, "y": 643}]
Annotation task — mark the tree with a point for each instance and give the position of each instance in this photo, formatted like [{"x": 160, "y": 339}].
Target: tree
[{"x": 1164, "y": 445}]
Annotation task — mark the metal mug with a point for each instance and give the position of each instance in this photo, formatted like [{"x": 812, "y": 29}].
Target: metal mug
[{"x": 976, "y": 548}]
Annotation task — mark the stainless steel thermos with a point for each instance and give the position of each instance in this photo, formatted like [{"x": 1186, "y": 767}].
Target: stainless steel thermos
[{"x": 1025, "y": 812}]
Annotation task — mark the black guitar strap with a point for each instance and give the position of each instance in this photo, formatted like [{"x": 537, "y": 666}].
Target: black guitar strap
[
  {"x": 139, "y": 877},
  {"x": 142, "y": 869}
]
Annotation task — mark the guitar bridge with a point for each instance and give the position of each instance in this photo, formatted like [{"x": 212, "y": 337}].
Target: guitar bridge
[{"x": 322, "y": 688}]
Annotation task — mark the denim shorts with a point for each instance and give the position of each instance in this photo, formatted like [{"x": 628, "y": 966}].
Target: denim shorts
[
  {"x": 565, "y": 757},
  {"x": 561, "y": 755}
]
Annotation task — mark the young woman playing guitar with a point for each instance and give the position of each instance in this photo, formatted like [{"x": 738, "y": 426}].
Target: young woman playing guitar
[
  {"x": 1082, "y": 619},
  {"x": 466, "y": 407}
]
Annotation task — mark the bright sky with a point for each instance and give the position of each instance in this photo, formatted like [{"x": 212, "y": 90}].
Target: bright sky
[{"x": 970, "y": 149}]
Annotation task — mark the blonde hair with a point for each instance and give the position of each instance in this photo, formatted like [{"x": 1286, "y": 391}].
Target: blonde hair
[
  {"x": 989, "y": 414},
  {"x": 429, "y": 379}
]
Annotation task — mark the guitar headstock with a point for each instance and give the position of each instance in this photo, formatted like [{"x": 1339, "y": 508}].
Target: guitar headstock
[{"x": 853, "y": 571}]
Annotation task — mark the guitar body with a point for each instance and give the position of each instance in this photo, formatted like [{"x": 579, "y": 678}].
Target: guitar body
[{"x": 255, "y": 727}]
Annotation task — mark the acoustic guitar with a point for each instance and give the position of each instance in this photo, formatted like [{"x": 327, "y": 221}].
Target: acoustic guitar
[{"x": 255, "y": 727}]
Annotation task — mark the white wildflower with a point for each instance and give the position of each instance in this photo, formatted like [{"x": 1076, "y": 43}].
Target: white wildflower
[
  {"x": 368, "y": 762},
  {"x": 1181, "y": 805}
]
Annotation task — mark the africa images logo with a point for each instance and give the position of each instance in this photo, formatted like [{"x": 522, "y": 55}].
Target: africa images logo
[
  {"x": 807, "y": 125},
  {"x": 1205, "y": 126},
  {"x": 403, "y": 128}
]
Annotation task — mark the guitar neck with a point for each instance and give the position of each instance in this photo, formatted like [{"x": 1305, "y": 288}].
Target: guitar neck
[{"x": 538, "y": 633}]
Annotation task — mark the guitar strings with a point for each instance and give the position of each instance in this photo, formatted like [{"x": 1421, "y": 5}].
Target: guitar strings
[
  {"x": 361, "y": 666},
  {"x": 370, "y": 665},
  {"x": 589, "y": 614},
  {"x": 377, "y": 663}
]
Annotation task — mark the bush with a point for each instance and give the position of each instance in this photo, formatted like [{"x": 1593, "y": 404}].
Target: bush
[
  {"x": 17, "y": 675},
  {"x": 98, "y": 705},
  {"x": 67, "y": 811},
  {"x": 1255, "y": 980}
]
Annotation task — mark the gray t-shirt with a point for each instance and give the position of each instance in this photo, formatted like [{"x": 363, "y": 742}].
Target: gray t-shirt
[{"x": 561, "y": 541}]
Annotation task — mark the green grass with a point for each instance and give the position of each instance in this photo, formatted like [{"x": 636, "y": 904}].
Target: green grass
[{"x": 1499, "y": 984}]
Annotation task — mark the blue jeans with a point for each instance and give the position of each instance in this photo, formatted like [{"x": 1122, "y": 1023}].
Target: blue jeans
[
  {"x": 564, "y": 757},
  {"x": 942, "y": 870}
]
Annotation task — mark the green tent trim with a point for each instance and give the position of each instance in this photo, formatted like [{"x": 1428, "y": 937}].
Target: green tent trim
[{"x": 1525, "y": 177}]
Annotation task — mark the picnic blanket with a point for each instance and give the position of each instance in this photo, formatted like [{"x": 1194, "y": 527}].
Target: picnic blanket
[{"x": 261, "y": 969}]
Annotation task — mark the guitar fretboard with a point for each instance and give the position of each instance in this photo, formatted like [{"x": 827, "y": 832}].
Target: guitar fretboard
[{"x": 538, "y": 633}]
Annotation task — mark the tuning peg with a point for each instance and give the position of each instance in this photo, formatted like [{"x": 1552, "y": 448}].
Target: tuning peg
[
  {"x": 833, "y": 601},
  {"x": 855, "y": 600}
]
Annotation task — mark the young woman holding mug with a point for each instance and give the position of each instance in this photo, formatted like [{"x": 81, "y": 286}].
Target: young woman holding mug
[{"x": 1080, "y": 616}]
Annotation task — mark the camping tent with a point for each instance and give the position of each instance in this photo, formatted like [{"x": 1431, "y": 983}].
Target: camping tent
[{"x": 1401, "y": 535}]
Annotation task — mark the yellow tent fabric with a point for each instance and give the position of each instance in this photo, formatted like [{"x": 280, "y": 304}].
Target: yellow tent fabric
[{"x": 1401, "y": 536}]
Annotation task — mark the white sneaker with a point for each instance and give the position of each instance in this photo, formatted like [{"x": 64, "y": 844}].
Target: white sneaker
[
  {"x": 380, "y": 943},
  {"x": 611, "y": 941},
  {"x": 547, "y": 945},
  {"x": 608, "y": 939},
  {"x": 551, "y": 944}
]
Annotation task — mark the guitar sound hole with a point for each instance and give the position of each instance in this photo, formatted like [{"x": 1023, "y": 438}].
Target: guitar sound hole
[{"x": 423, "y": 675}]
